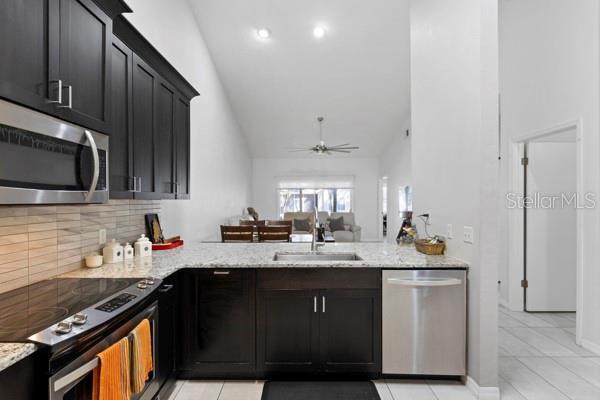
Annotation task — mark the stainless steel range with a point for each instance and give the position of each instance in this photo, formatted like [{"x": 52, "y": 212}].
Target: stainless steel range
[{"x": 75, "y": 319}]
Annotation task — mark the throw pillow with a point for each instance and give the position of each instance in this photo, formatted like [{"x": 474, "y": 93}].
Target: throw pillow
[
  {"x": 337, "y": 224},
  {"x": 302, "y": 224}
]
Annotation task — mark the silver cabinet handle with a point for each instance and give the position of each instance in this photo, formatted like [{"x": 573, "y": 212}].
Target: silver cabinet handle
[
  {"x": 139, "y": 188},
  {"x": 59, "y": 94},
  {"x": 134, "y": 185},
  {"x": 315, "y": 304},
  {"x": 96, "y": 170},
  {"x": 165, "y": 288},
  {"x": 323, "y": 304},
  {"x": 424, "y": 282},
  {"x": 221, "y": 272},
  {"x": 70, "y": 91}
]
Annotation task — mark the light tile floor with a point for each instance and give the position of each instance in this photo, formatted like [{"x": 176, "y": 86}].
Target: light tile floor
[
  {"x": 539, "y": 359},
  {"x": 388, "y": 390}
]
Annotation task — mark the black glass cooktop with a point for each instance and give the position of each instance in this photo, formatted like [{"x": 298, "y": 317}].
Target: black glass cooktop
[{"x": 30, "y": 309}]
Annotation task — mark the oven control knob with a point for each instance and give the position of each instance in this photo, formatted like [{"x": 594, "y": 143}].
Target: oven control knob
[
  {"x": 142, "y": 285},
  {"x": 79, "y": 319},
  {"x": 149, "y": 281},
  {"x": 64, "y": 327}
]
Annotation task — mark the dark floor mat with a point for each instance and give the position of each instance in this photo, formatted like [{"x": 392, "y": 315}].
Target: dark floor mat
[{"x": 320, "y": 390}]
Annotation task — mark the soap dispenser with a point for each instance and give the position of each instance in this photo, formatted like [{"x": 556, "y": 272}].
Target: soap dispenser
[
  {"x": 143, "y": 247},
  {"x": 113, "y": 252}
]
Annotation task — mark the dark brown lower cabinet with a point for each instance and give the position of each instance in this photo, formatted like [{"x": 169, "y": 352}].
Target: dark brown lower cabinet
[
  {"x": 288, "y": 332},
  {"x": 350, "y": 331},
  {"x": 315, "y": 322},
  {"x": 217, "y": 324}
]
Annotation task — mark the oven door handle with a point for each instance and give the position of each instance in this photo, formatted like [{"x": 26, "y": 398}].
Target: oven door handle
[
  {"x": 96, "y": 171},
  {"x": 75, "y": 375}
]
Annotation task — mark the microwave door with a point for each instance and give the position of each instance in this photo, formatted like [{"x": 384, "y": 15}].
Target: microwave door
[{"x": 44, "y": 160}]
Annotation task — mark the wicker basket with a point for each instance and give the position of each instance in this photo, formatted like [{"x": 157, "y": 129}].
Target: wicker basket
[{"x": 432, "y": 249}]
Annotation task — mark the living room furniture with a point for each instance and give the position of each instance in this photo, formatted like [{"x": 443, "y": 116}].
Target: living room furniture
[
  {"x": 279, "y": 222},
  {"x": 307, "y": 237},
  {"x": 237, "y": 233},
  {"x": 274, "y": 233},
  {"x": 291, "y": 216},
  {"x": 253, "y": 223},
  {"x": 351, "y": 233}
]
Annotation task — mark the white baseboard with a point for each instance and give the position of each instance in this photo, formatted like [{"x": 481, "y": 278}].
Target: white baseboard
[
  {"x": 483, "y": 393},
  {"x": 591, "y": 346}
]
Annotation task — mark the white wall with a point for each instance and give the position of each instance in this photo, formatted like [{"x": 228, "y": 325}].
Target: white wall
[
  {"x": 221, "y": 166},
  {"x": 549, "y": 73},
  {"x": 266, "y": 172},
  {"x": 395, "y": 164},
  {"x": 454, "y": 87}
]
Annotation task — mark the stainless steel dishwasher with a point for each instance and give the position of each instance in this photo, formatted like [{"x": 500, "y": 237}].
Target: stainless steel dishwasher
[{"x": 424, "y": 322}]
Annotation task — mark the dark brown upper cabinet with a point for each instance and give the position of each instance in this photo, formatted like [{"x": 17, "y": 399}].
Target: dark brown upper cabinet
[
  {"x": 84, "y": 33},
  {"x": 24, "y": 47},
  {"x": 59, "y": 52},
  {"x": 151, "y": 121},
  {"x": 122, "y": 184}
]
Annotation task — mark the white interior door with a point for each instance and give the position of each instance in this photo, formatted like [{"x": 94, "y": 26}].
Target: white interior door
[{"x": 551, "y": 232}]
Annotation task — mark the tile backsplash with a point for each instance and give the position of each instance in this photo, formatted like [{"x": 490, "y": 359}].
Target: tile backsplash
[{"x": 39, "y": 242}]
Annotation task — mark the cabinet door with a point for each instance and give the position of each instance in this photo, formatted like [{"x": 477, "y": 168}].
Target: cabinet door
[
  {"x": 121, "y": 154},
  {"x": 165, "y": 152},
  {"x": 350, "y": 334},
  {"x": 167, "y": 321},
  {"x": 182, "y": 143},
  {"x": 145, "y": 82},
  {"x": 24, "y": 49},
  {"x": 85, "y": 50},
  {"x": 287, "y": 332},
  {"x": 218, "y": 325}
]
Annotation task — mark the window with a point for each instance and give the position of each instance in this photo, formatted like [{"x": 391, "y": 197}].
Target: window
[
  {"x": 405, "y": 199},
  {"x": 328, "y": 200}
]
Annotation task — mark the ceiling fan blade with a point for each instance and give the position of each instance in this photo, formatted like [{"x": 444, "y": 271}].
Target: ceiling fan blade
[
  {"x": 340, "y": 151},
  {"x": 299, "y": 150},
  {"x": 339, "y": 145},
  {"x": 346, "y": 148}
]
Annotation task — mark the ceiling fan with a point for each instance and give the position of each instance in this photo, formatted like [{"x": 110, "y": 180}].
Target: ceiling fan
[{"x": 322, "y": 148}]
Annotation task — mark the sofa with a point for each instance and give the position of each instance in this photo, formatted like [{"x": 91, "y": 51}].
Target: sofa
[{"x": 351, "y": 233}]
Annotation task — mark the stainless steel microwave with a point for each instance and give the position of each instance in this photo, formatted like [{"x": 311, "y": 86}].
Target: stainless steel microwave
[{"x": 44, "y": 160}]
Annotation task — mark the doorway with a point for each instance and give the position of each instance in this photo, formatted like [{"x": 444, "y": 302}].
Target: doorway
[{"x": 544, "y": 246}]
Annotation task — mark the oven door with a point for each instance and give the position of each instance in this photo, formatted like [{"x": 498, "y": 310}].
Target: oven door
[
  {"x": 74, "y": 382},
  {"x": 46, "y": 160}
]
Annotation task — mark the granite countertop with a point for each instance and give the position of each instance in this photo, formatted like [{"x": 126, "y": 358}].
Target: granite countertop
[
  {"x": 260, "y": 255},
  {"x": 12, "y": 353},
  {"x": 246, "y": 255}
]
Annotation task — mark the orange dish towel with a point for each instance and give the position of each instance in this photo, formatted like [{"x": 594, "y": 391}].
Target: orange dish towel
[
  {"x": 111, "y": 379},
  {"x": 141, "y": 356}
]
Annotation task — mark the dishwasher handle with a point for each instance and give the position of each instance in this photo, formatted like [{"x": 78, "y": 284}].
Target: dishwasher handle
[{"x": 424, "y": 282}]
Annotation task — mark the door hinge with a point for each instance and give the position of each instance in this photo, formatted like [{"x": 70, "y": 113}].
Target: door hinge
[
  {"x": 524, "y": 161},
  {"x": 525, "y": 283}
]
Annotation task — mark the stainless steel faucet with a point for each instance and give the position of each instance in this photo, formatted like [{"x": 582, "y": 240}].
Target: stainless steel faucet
[{"x": 314, "y": 246}]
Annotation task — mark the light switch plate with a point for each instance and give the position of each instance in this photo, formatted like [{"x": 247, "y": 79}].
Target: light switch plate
[
  {"x": 102, "y": 236},
  {"x": 468, "y": 234},
  {"x": 449, "y": 231}
]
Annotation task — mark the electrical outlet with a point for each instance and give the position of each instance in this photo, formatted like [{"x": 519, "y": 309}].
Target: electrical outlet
[
  {"x": 449, "y": 233},
  {"x": 468, "y": 234},
  {"x": 102, "y": 236}
]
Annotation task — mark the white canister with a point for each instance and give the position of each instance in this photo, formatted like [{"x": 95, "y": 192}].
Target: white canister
[
  {"x": 128, "y": 251},
  {"x": 113, "y": 252},
  {"x": 143, "y": 247}
]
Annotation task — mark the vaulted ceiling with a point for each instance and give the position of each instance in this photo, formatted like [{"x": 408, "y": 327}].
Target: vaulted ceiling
[{"x": 357, "y": 76}]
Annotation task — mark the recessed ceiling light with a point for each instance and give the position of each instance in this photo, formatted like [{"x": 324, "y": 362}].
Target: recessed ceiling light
[
  {"x": 263, "y": 33},
  {"x": 319, "y": 32}
]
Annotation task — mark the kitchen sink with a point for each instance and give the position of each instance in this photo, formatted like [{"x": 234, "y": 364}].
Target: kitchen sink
[{"x": 316, "y": 257}]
